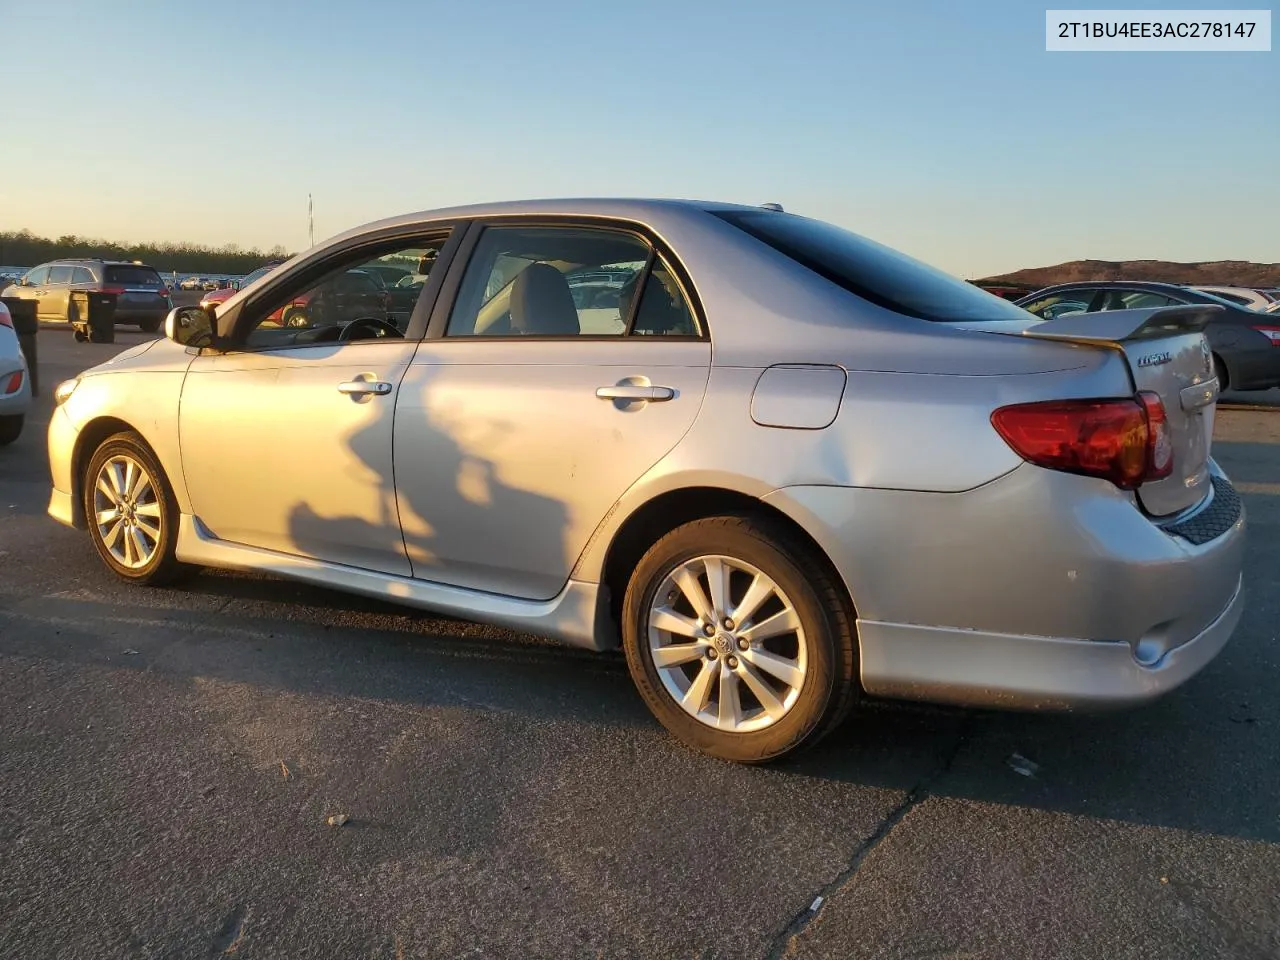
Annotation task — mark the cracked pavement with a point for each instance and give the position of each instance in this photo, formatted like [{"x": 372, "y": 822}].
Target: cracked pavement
[{"x": 168, "y": 759}]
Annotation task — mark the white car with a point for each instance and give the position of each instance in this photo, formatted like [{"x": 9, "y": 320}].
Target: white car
[
  {"x": 1245, "y": 296},
  {"x": 15, "y": 382}
]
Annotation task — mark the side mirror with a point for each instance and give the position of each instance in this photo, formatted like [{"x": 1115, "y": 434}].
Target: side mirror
[{"x": 189, "y": 326}]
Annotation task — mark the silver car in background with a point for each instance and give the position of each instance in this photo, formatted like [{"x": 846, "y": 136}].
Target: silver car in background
[{"x": 780, "y": 465}]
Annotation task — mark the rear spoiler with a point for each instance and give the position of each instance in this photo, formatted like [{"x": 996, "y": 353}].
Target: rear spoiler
[{"x": 1116, "y": 326}]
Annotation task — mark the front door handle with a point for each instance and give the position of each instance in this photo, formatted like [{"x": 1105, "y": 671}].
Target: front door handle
[
  {"x": 360, "y": 388},
  {"x": 628, "y": 391}
]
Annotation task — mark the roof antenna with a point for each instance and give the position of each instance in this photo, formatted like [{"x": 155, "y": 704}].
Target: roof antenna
[{"x": 776, "y": 207}]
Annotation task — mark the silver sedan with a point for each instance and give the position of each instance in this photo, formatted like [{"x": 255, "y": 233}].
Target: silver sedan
[{"x": 779, "y": 464}]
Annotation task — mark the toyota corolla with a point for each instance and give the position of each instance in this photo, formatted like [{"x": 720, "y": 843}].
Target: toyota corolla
[{"x": 788, "y": 467}]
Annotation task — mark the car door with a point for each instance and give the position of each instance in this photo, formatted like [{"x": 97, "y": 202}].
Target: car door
[
  {"x": 55, "y": 295},
  {"x": 30, "y": 284},
  {"x": 522, "y": 421},
  {"x": 287, "y": 435}
]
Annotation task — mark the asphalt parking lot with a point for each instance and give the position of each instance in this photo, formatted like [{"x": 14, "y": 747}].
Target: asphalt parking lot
[{"x": 168, "y": 759}]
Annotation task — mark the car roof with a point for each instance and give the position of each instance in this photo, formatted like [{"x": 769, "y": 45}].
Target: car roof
[
  {"x": 105, "y": 263},
  {"x": 1146, "y": 286},
  {"x": 623, "y": 208},
  {"x": 1141, "y": 284}
]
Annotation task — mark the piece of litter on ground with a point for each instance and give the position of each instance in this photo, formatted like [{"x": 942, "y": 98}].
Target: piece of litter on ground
[
  {"x": 284, "y": 771},
  {"x": 1242, "y": 714},
  {"x": 337, "y": 820},
  {"x": 1020, "y": 764},
  {"x": 130, "y": 652},
  {"x": 817, "y": 902}
]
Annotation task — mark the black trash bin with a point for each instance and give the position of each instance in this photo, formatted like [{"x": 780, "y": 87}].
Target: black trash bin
[
  {"x": 26, "y": 326},
  {"x": 93, "y": 317}
]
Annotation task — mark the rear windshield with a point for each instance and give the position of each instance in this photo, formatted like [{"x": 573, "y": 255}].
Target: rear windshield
[
  {"x": 133, "y": 276},
  {"x": 872, "y": 271}
]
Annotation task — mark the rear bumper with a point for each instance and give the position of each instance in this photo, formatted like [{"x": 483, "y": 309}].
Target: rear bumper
[
  {"x": 1039, "y": 589},
  {"x": 1028, "y": 673},
  {"x": 133, "y": 314}
]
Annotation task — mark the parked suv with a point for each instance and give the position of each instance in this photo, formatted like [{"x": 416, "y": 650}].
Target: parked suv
[{"x": 141, "y": 296}]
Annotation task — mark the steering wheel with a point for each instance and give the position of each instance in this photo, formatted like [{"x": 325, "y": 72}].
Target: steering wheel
[{"x": 377, "y": 326}]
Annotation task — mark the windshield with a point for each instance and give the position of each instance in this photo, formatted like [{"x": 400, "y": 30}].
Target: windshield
[
  {"x": 257, "y": 274},
  {"x": 873, "y": 271}
]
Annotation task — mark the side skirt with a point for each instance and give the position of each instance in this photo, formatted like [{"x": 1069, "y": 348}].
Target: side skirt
[{"x": 578, "y": 615}]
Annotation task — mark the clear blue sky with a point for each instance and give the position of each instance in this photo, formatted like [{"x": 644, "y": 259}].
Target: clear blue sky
[{"x": 942, "y": 128}]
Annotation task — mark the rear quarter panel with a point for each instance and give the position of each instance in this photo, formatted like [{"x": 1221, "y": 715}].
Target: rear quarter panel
[{"x": 893, "y": 431}]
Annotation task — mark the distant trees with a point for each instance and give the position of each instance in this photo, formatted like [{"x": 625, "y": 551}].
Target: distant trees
[{"x": 25, "y": 249}]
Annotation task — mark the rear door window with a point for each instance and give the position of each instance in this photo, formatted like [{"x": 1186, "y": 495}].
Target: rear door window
[
  {"x": 1136, "y": 299},
  {"x": 1059, "y": 304},
  {"x": 81, "y": 275},
  {"x": 131, "y": 276},
  {"x": 59, "y": 274}
]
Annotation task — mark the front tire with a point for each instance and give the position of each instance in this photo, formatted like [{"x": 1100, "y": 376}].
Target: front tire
[
  {"x": 738, "y": 639},
  {"x": 131, "y": 513},
  {"x": 10, "y": 429}
]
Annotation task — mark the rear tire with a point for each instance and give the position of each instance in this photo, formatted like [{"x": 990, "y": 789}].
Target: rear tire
[
  {"x": 10, "y": 429},
  {"x": 131, "y": 512},
  {"x": 769, "y": 692},
  {"x": 149, "y": 326},
  {"x": 1220, "y": 371}
]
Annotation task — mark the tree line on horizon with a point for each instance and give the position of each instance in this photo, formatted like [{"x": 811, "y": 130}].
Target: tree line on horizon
[{"x": 22, "y": 248}]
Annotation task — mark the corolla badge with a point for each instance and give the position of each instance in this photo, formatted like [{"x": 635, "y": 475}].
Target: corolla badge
[{"x": 1155, "y": 359}]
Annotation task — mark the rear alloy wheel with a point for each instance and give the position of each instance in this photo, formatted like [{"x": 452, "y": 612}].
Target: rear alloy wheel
[
  {"x": 294, "y": 317},
  {"x": 130, "y": 511},
  {"x": 10, "y": 429},
  {"x": 738, "y": 640}
]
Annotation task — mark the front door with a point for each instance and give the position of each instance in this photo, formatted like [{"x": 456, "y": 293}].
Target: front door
[
  {"x": 519, "y": 429},
  {"x": 287, "y": 440}
]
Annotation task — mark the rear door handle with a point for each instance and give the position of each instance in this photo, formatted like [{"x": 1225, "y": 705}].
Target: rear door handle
[
  {"x": 359, "y": 388},
  {"x": 627, "y": 391}
]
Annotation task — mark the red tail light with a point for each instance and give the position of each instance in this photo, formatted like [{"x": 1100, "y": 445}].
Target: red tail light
[
  {"x": 1124, "y": 441},
  {"x": 15, "y": 381},
  {"x": 1271, "y": 333},
  {"x": 5, "y": 319},
  {"x": 116, "y": 290},
  {"x": 163, "y": 291}
]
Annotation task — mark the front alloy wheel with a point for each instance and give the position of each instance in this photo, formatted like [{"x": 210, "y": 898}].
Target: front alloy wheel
[
  {"x": 130, "y": 511},
  {"x": 126, "y": 511}
]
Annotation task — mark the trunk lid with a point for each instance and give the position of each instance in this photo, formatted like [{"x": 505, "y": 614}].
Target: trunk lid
[{"x": 1167, "y": 355}]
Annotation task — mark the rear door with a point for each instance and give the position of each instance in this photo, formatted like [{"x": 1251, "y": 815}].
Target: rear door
[
  {"x": 522, "y": 420},
  {"x": 55, "y": 295}
]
